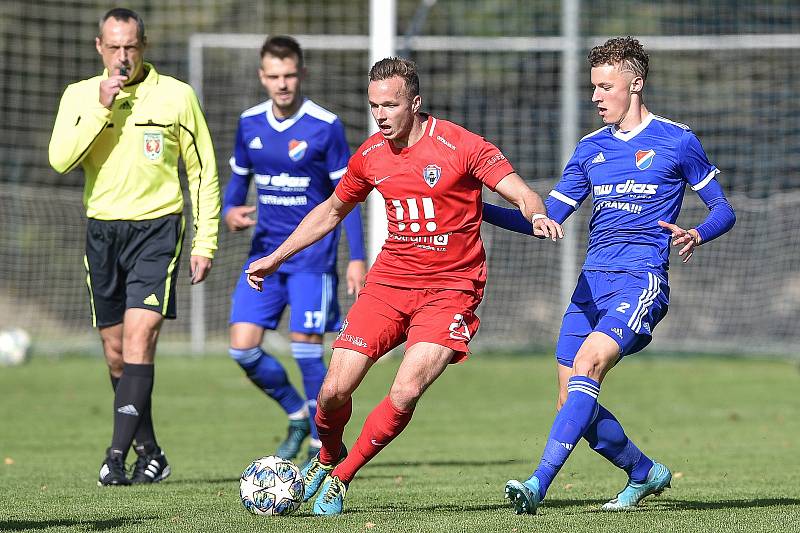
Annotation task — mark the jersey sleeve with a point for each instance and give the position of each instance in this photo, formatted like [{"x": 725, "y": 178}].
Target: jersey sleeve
[
  {"x": 241, "y": 172},
  {"x": 197, "y": 152},
  {"x": 696, "y": 169},
  {"x": 79, "y": 123},
  {"x": 338, "y": 152},
  {"x": 570, "y": 191},
  {"x": 486, "y": 162},
  {"x": 354, "y": 185}
]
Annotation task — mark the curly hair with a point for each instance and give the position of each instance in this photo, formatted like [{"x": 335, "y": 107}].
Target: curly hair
[
  {"x": 626, "y": 52},
  {"x": 400, "y": 67}
]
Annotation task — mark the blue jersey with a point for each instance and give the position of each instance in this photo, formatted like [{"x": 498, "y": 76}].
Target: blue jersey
[
  {"x": 636, "y": 178},
  {"x": 296, "y": 163}
]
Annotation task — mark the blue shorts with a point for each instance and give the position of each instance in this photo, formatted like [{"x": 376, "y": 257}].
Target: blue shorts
[
  {"x": 626, "y": 306},
  {"x": 311, "y": 297}
]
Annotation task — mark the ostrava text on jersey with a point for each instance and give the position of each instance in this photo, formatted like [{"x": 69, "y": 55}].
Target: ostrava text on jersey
[
  {"x": 432, "y": 191},
  {"x": 295, "y": 163},
  {"x": 636, "y": 178}
]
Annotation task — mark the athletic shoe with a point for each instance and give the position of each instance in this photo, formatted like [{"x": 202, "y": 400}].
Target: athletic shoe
[
  {"x": 331, "y": 499},
  {"x": 112, "y": 470},
  {"x": 150, "y": 467},
  {"x": 524, "y": 497},
  {"x": 657, "y": 480},
  {"x": 295, "y": 435},
  {"x": 314, "y": 473}
]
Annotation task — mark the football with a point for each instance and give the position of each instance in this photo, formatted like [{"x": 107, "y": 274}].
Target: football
[
  {"x": 271, "y": 486},
  {"x": 14, "y": 346}
]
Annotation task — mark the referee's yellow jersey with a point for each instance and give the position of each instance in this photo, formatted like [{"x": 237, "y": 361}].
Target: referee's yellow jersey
[{"x": 130, "y": 152}]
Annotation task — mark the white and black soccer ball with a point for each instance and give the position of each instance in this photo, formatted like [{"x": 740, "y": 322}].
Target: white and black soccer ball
[
  {"x": 15, "y": 344},
  {"x": 271, "y": 486}
]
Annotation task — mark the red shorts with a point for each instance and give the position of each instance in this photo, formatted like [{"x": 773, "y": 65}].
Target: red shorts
[{"x": 384, "y": 317}]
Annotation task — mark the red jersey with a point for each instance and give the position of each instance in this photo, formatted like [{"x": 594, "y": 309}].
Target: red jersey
[{"x": 432, "y": 193}]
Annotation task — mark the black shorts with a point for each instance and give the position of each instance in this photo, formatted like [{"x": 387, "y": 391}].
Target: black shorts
[{"x": 132, "y": 264}]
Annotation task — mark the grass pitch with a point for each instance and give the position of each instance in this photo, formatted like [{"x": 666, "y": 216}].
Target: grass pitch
[{"x": 728, "y": 429}]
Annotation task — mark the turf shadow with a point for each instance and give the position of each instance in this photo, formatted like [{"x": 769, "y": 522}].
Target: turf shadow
[
  {"x": 88, "y": 525},
  {"x": 753, "y": 503}
]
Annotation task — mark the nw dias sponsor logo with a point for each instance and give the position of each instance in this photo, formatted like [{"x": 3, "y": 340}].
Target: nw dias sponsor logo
[
  {"x": 297, "y": 149},
  {"x": 629, "y": 187},
  {"x": 644, "y": 158}
]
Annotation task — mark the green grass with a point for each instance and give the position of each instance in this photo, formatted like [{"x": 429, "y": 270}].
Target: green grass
[{"x": 729, "y": 430}]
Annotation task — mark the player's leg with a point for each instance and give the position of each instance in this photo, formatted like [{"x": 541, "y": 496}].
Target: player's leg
[
  {"x": 251, "y": 313},
  {"x": 106, "y": 288},
  {"x": 631, "y": 327},
  {"x": 150, "y": 258},
  {"x": 334, "y": 408},
  {"x": 314, "y": 311},
  {"x": 596, "y": 354}
]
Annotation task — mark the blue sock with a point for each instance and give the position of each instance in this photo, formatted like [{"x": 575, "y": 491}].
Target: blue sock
[
  {"x": 568, "y": 428},
  {"x": 268, "y": 374},
  {"x": 309, "y": 359},
  {"x": 606, "y": 436}
]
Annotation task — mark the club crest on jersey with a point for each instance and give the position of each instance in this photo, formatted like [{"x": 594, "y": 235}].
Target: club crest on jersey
[
  {"x": 153, "y": 144},
  {"x": 431, "y": 174},
  {"x": 297, "y": 149},
  {"x": 644, "y": 158}
]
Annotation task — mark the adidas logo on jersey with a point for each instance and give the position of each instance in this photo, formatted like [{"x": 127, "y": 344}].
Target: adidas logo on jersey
[
  {"x": 599, "y": 158},
  {"x": 128, "y": 410},
  {"x": 125, "y": 105},
  {"x": 617, "y": 331},
  {"x": 151, "y": 300},
  {"x": 255, "y": 144}
]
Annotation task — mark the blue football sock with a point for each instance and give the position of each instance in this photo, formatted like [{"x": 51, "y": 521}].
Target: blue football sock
[
  {"x": 268, "y": 374},
  {"x": 606, "y": 436},
  {"x": 568, "y": 428},
  {"x": 309, "y": 359}
]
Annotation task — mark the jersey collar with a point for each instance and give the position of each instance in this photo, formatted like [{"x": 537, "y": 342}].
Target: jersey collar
[
  {"x": 628, "y": 135},
  {"x": 285, "y": 124}
]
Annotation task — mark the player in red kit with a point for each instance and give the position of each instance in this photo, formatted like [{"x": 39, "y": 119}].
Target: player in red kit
[{"x": 428, "y": 278}]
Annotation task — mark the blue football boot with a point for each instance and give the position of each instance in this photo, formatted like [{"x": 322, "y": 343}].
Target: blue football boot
[
  {"x": 524, "y": 497},
  {"x": 314, "y": 473},
  {"x": 657, "y": 480},
  {"x": 331, "y": 499}
]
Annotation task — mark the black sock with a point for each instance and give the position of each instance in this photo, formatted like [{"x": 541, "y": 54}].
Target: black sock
[
  {"x": 114, "y": 382},
  {"x": 131, "y": 400},
  {"x": 144, "y": 441}
]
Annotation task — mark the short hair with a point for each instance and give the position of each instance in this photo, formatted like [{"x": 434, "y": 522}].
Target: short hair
[
  {"x": 396, "y": 66},
  {"x": 123, "y": 14},
  {"x": 626, "y": 52},
  {"x": 282, "y": 46}
]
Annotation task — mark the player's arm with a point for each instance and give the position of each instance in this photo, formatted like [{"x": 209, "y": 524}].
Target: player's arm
[
  {"x": 235, "y": 212},
  {"x": 701, "y": 176},
  {"x": 317, "y": 223},
  {"x": 197, "y": 151},
  {"x": 514, "y": 189},
  {"x": 80, "y": 120},
  {"x": 721, "y": 218}
]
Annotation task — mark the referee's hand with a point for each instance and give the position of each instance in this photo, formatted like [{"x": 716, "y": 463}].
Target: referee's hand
[
  {"x": 110, "y": 88},
  {"x": 199, "y": 267}
]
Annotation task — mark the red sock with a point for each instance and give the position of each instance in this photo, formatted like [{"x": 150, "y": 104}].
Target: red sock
[
  {"x": 383, "y": 424},
  {"x": 330, "y": 425}
]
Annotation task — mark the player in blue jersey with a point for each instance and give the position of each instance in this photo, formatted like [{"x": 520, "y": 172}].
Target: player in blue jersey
[
  {"x": 636, "y": 169},
  {"x": 296, "y": 151}
]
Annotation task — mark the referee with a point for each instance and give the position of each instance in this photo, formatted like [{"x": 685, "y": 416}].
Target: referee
[{"x": 127, "y": 128}]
